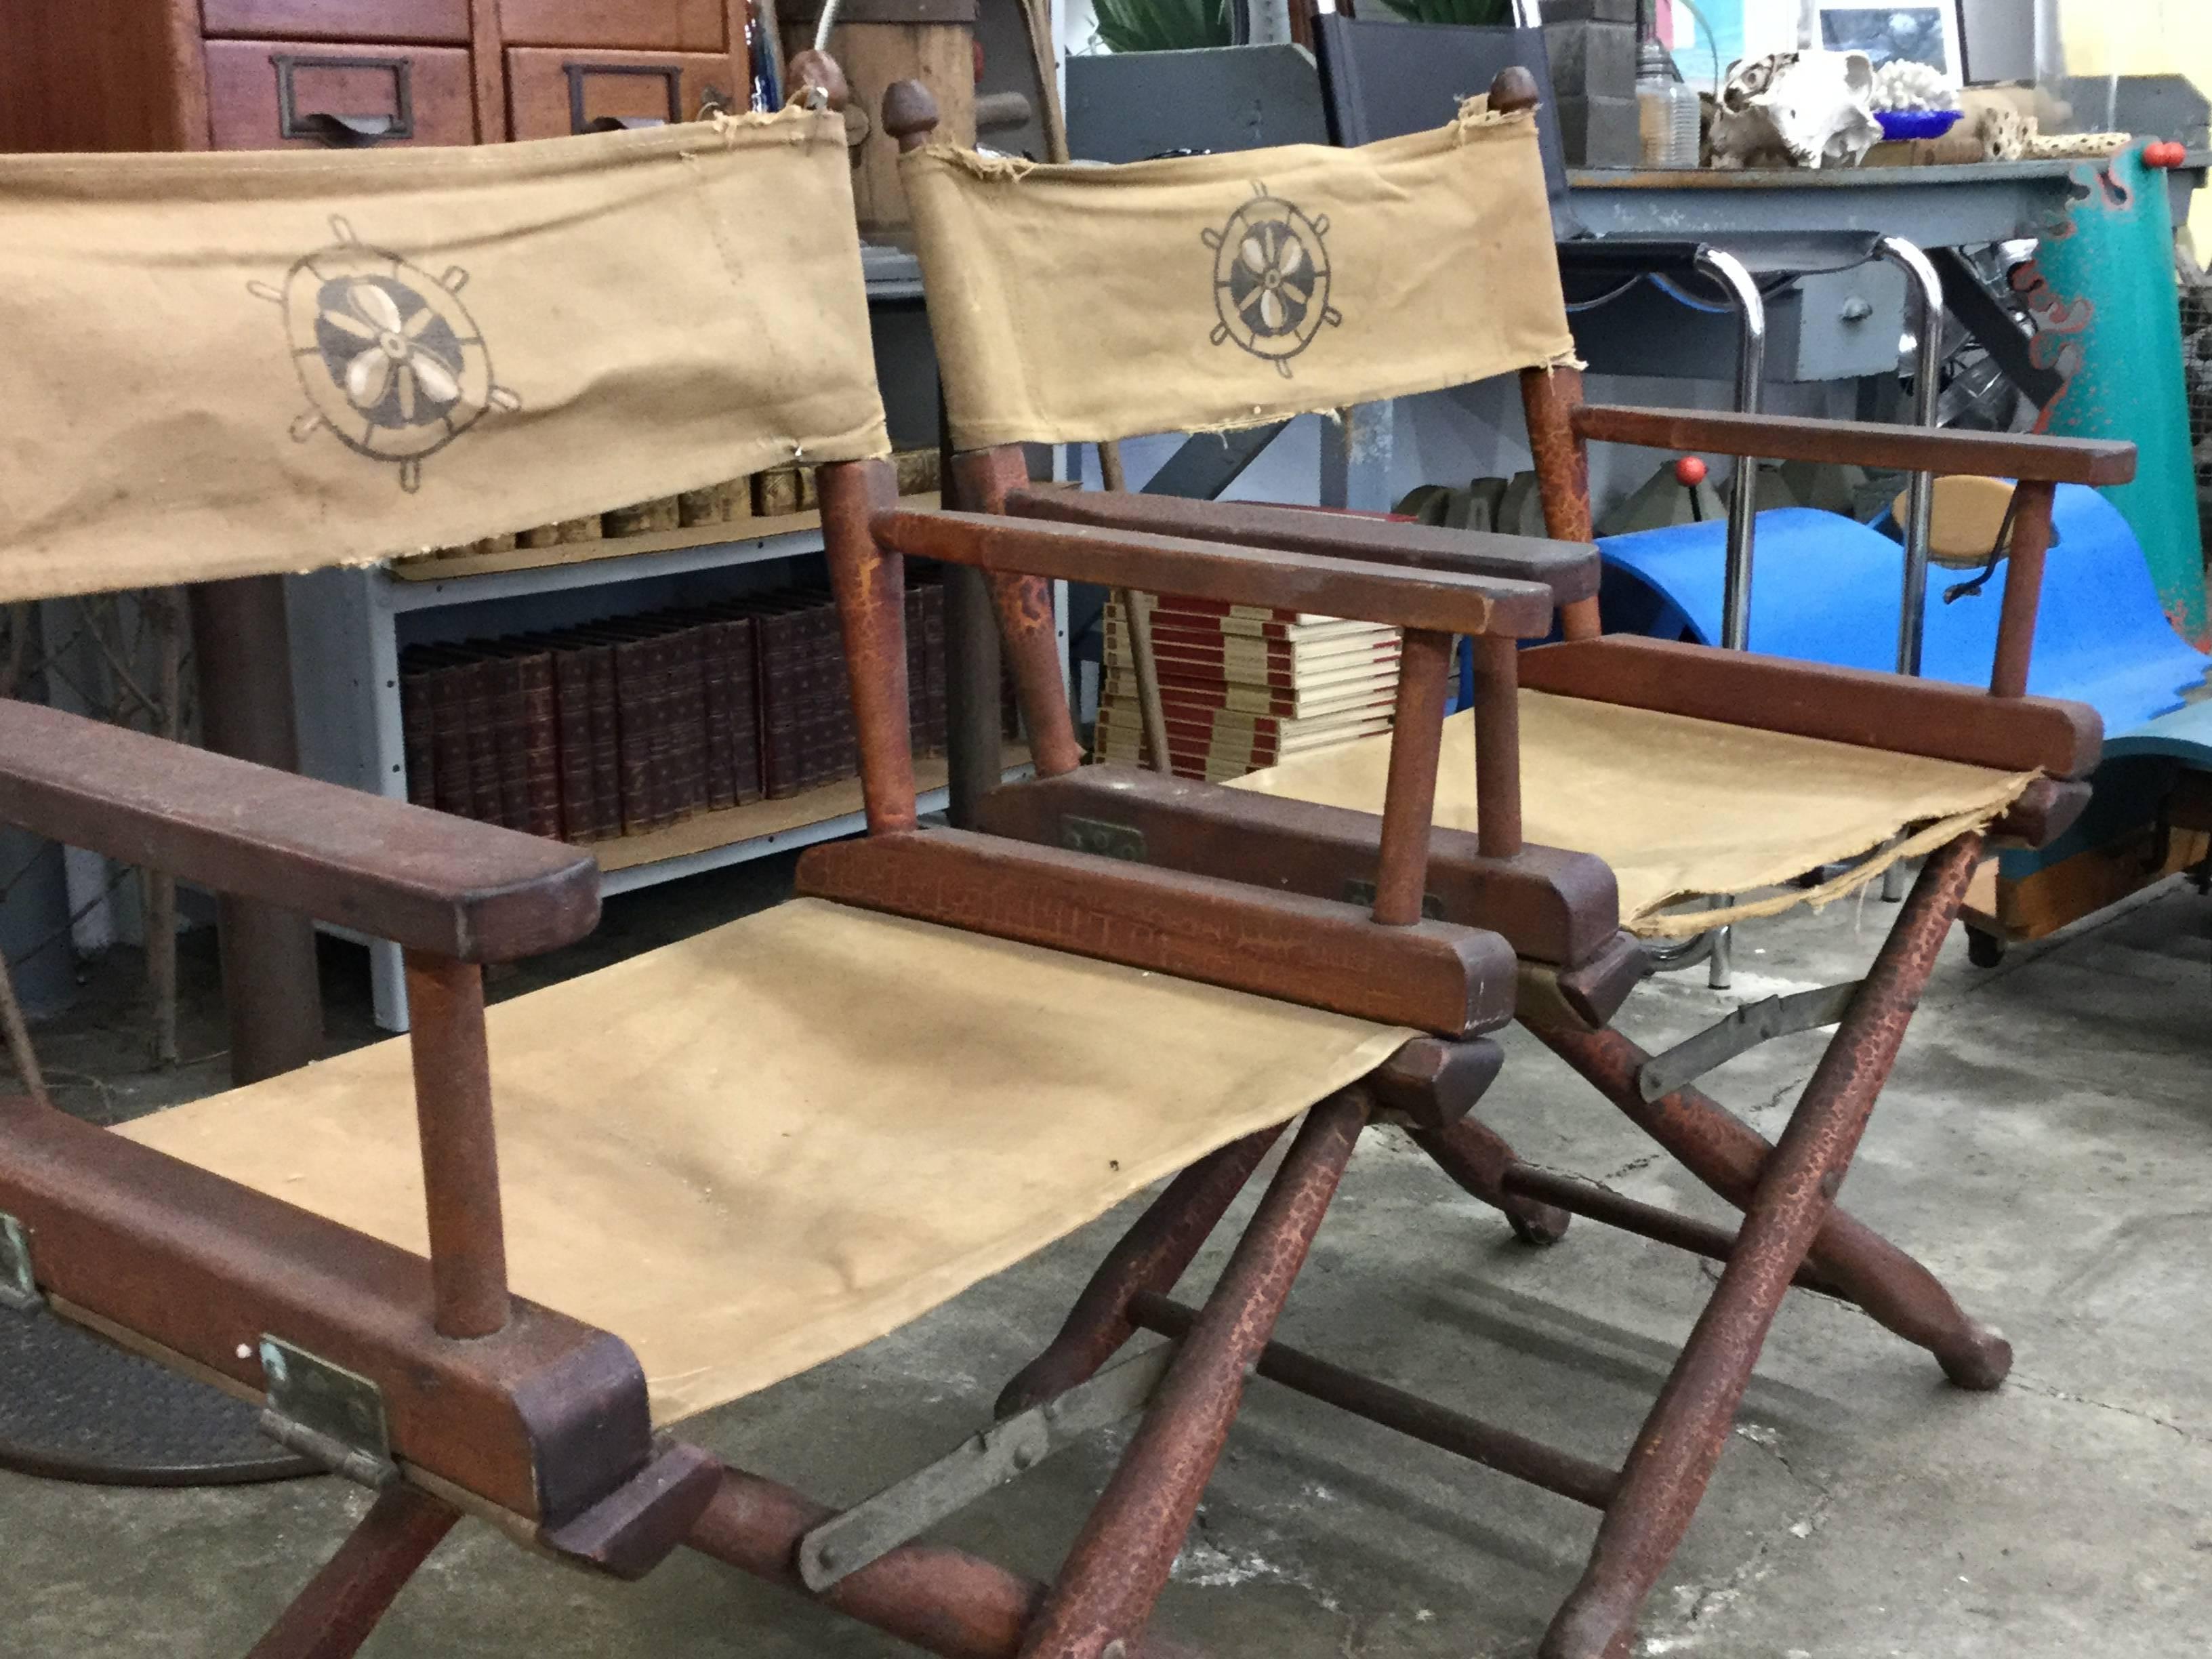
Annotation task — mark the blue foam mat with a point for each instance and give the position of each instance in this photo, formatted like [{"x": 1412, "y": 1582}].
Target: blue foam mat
[{"x": 1825, "y": 589}]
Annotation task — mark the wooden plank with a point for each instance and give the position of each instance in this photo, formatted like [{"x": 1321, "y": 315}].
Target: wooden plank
[
  {"x": 487, "y": 68},
  {"x": 1448, "y": 980},
  {"x": 2059, "y": 895},
  {"x": 1568, "y": 569},
  {"x": 1871, "y": 709},
  {"x": 442, "y": 21},
  {"x": 420, "y": 879},
  {"x": 101, "y": 75},
  {"x": 1865, "y": 443},
  {"x": 650, "y": 25},
  {"x": 1555, "y": 907},
  {"x": 1442, "y": 600}
]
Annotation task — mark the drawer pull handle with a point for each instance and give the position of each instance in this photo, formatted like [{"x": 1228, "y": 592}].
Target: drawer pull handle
[
  {"x": 346, "y": 131},
  {"x": 343, "y": 131},
  {"x": 579, "y": 74}
]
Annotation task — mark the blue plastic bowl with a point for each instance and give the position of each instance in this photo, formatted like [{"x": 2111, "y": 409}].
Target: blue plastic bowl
[{"x": 1898, "y": 124}]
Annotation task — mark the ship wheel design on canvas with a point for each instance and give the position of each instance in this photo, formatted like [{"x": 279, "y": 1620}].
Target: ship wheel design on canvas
[
  {"x": 389, "y": 359},
  {"x": 1271, "y": 279}
]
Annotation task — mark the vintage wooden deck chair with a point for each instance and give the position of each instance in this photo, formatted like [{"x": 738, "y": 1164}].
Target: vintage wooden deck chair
[
  {"x": 1089, "y": 304},
  {"x": 487, "y": 1269}
]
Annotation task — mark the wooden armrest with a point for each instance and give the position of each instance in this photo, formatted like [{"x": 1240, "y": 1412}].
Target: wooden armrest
[
  {"x": 1442, "y": 601},
  {"x": 1569, "y": 569},
  {"x": 1452, "y": 981},
  {"x": 542, "y": 1418},
  {"x": 1862, "y": 707},
  {"x": 423, "y": 879},
  {"x": 1865, "y": 443}
]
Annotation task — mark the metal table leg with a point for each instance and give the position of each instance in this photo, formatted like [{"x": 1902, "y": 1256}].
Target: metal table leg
[
  {"x": 1920, "y": 498},
  {"x": 1743, "y": 505}
]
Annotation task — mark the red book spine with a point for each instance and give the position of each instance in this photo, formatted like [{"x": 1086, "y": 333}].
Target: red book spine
[
  {"x": 687, "y": 720},
  {"x": 449, "y": 702},
  {"x": 606, "y": 742},
  {"x": 667, "y": 765},
  {"x": 741, "y": 649},
  {"x": 781, "y": 678},
  {"x": 572, "y": 720},
  {"x": 418, "y": 731},
  {"x": 721, "y": 766},
  {"x": 511, "y": 739},
  {"x": 541, "y": 736},
  {"x": 633, "y": 676},
  {"x": 478, "y": 718}
]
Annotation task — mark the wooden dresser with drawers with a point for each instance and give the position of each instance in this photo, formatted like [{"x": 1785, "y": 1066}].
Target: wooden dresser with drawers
[{"x": 86, "y": 75}]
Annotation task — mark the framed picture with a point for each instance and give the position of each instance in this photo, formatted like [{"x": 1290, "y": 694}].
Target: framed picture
[{"x": 1923, "y": 31}]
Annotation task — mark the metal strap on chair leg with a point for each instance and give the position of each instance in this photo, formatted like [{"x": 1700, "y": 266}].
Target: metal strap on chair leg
[
  {"x": 19, "y": 1286},
  {"x": 870, "y": 1530},
  {"x": 1742, "y": 1030}
]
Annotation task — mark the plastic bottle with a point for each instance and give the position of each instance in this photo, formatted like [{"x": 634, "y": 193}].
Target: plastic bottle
[{"x": 1666, "y": 109}]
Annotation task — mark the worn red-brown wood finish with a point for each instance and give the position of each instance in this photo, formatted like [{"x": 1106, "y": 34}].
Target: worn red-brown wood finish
[
  {"x": 497, "y": 1405},
  {"x": 1027, "y": 632},
  {"x": 1561, "y": 917}
]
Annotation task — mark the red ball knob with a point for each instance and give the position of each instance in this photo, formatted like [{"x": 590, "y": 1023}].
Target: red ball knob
[
  {"x": 2165, "y": 153},
  {"x": 1689, "y": 472}
]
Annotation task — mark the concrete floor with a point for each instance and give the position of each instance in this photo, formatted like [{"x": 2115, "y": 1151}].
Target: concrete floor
[{"x": 2046, "y": 1146}]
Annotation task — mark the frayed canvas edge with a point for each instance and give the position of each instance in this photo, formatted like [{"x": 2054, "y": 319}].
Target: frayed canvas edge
[{"x": 1689, "y": 924}]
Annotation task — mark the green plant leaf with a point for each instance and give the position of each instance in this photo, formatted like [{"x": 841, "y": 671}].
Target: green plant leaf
[{"x": 1162, "y": 24}]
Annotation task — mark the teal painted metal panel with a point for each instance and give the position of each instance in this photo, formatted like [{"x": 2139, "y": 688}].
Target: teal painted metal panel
[{"x": 2111, "y": 321}]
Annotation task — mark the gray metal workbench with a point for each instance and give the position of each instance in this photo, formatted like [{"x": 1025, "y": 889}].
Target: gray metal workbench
[{"x": 1821, "y": 210}]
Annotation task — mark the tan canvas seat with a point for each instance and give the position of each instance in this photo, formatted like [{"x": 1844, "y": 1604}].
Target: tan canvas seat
[
  {"x": 760, "y": 1148},
  {"x": 1679, "y": 808}
]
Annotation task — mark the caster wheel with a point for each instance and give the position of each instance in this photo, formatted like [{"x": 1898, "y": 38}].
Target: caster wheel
[{"x": 1983, "y": 950}]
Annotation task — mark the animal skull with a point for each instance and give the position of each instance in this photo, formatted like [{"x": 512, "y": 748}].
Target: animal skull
[{"x": 1805, "y": 109}]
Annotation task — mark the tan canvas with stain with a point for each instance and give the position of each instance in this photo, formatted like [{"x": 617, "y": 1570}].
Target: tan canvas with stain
[
  {"x": 1683, "y": 809},
  {"x": 1085, "y": 303},
  {"x": 760, "y": 1148},
  {"x": 223, "y": 365}
]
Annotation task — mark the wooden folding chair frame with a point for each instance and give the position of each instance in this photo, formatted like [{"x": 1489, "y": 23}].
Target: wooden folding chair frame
[
  {"x": 1559, "y": 911},
  {"x": 429, "y": 1380}
]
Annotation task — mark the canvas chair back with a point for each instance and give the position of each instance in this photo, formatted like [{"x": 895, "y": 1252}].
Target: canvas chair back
[
  {"x": 223, "y": 366},
  {"x": 1085, "y": 304}
]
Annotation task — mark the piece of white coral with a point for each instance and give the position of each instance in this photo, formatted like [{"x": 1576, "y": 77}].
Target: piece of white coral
[{"x": 1902, "y": 84}]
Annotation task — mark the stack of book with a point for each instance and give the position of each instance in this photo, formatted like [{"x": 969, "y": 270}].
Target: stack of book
[
  {"x": 632, "y": 723},
  {"x": 1245, "y": 687}
]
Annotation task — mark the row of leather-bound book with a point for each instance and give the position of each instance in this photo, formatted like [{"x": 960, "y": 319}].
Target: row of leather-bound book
[
  {"x": 630, "y": 724},
  {"x": 740, "y": 503}
]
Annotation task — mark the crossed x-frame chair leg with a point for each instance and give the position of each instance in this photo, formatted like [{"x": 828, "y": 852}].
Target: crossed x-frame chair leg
[
  {"x": 1672, "y": 1459},
  {"x": 1100, "y": 1603},
  {"x": 1791, "y": 1234}
]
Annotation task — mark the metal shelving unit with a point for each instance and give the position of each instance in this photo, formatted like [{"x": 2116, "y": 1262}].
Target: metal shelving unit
[{"x": 349, "y": 627}]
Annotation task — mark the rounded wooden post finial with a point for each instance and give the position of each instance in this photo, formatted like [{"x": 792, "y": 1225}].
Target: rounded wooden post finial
[
  {"x": 816, "y": 82},
  {"x": 909, "y": 113},
  {"x": 1514, "y": 89}
]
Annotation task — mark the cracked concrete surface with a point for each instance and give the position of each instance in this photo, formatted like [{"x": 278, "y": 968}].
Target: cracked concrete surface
[{"x": 2046, "y": 1145}]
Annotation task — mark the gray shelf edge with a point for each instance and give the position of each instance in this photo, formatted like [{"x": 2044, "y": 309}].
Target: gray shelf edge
[{"x": 397, "y": 595}]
